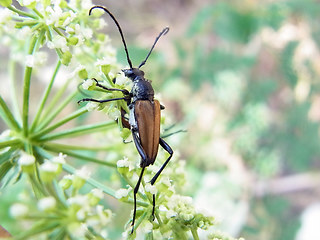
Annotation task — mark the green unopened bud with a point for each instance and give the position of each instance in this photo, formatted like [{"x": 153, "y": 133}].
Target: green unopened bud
[
  {"x": 125, "y": 133},
  {"x": 65, "y": 183},
  {"x": 45, "y": 3},
  {"x": 5, "y": 3},
  {"x": 101, "y": 37},
  {"x": 95, "y": 196},
  {"x": 63, "y": 4},
  {"x": 66, "y": 58},
  {"x": 73, "y": 40},
  {"x": 83, "y": 73},
  {"x": 106, "y": 69},
  {"x": 78, "y": 182}
]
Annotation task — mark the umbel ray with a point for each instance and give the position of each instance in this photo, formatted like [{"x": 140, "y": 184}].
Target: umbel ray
[{"x": 144, "y": 114}]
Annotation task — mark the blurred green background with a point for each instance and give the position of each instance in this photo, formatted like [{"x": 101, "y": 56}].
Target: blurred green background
[{"x": 243, "y": 78}]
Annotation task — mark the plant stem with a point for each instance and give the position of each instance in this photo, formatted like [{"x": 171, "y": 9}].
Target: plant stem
[
  {"x": 7, "y": 116},
  {"x": 60, "y": 123},
  {"x": 9, "y": 143},
  {"x": 194, "y": 233},
  {"x": 77, "y": 131},
  {"x": 26, "y": 89},
  {"x": 83, "y": 147},
  {"x": 44, "y": 121},
  {"x": 37, "y": 12},
  {"x": 12, "y": 87},
  {"x": 80, "y": 156},
  {"x": 91, "y": 181},
  {"x": 22, "y": 13},
  {"x": 45, "y": 97},
  {"x": 58, "y": 110}
]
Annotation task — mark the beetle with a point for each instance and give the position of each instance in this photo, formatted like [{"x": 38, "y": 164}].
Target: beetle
[{"x": 144, "y": 114}]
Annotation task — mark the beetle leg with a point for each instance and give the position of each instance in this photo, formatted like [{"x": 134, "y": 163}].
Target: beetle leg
[
  {"x": 144, "y": 160},
  {"x": 124, "y": 91},
  {"x": 101, "y": 101},
  {"x": 166, "y": 147},
  {"x": 135, "y": 191},
  {"x": 144, "y": 157}
]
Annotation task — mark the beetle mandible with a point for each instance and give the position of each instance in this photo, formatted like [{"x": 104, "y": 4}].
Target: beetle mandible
[{"x": 144, "y": 115}]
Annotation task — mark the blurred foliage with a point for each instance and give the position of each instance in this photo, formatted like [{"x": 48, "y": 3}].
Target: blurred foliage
[{"x": 247, "y": 83}]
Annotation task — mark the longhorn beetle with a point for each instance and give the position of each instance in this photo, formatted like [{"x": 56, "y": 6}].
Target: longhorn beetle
[{"x": 144, "y": 115}]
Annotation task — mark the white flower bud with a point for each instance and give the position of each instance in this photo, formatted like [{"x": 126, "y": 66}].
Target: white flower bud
[
  {"x": 26, "y": 159},
  {"x": 46, "y": 203},
  {"x": 18, "y": 210}
]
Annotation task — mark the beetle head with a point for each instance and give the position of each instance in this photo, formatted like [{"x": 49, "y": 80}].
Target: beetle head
[{"x": 133, "y": 73}]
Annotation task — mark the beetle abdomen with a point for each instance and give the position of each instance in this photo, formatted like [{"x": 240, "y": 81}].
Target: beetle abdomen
[{"x": 147, "y": 116}]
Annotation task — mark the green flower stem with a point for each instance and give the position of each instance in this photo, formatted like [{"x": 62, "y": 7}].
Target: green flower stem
[
  {"x": 60, "y": 193},
  {"x": 147, "y": 194},
  {"x": 58, "y": 110},
  {"x": 39, "y": 227},
  {"x": 7, "y": 116},
  {"x": 58, "y": 96},
  {"x": 80, "y": 156},
  {"x": 37, "y": 12},
  {"x": 26, "y": 89},
  {"x": 156, "y": 213},
  {"x": 22, "y": 13},
  {"x": 91, "y": 181},
  {"x": 78, "y": 131},
  {"x": 37, "y": 186},
  {"x": 84, "y": 148},
  {"x": 10, "y": 143},
  {"x": 35, "y": 27},
  {"x": 12, "y": 87},
  {"x": 45, "y": 97},
  {"x": 18, "y": 18},
  {"x": 58, "y": 31},
  {"x": 194, "y": 233},
  {"x": 26, "y": 23},
  {"x": 133, "y": 186},
  {"x": 60, "y": 123},
  {"x": 140, "y": 219}
]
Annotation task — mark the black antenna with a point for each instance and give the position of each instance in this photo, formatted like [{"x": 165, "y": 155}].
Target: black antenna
[
  {"x": 163, "y": 32},
  {"x": 120, "y": 30}
]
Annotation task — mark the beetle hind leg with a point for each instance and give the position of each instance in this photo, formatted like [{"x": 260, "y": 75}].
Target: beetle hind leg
[
  {"x": 135, "y": 191},
  {"x": 166, "y": 147}
]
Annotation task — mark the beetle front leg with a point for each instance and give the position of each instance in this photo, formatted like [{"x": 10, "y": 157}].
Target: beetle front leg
[
  {"x": 124, "y": 91},
  {"x": 101, "y": 101}
]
